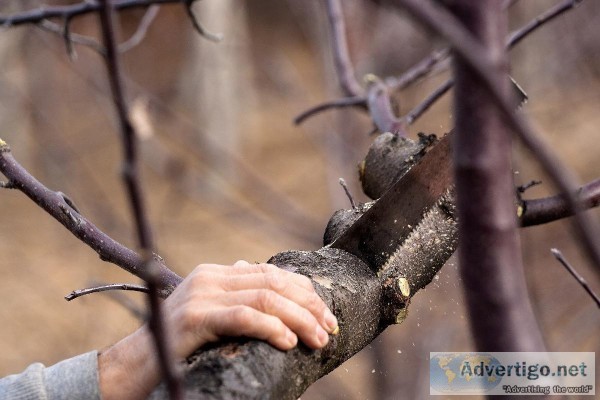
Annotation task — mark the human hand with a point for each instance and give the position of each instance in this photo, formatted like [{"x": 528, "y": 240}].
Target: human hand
[
  {"x": 216, "y": 301},
  {"x": 255, "y": 300}
]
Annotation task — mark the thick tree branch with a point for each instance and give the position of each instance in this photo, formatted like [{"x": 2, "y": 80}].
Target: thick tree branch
[{"x": 364, "y": 303}]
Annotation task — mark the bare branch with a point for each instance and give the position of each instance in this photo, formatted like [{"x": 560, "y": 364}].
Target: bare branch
[
  {"x": 358, "y": 101},
  {"x": 430, "y": 100},
  {"x": 87, "y": 41},
  {"x": 576, "y": 275},
  {"x": 541, "y": 19},
  {"x": 130, "y": 177},
  {"x": 474, "y": 54},
  {"x": 70, "y": 37},
  {"x": 541, "y": 211},
  {"x": 426, "y": 65},
  {"x": 141, "y": 31},
  {"x": 54, "y": 204},
  {"x": 65, "y": 12},
  {"x": 96, "y": 289},
  {"x": 341, "y": 56},
  {"x": 419, "y": 70},
  {"x": 381, "y": 107}
]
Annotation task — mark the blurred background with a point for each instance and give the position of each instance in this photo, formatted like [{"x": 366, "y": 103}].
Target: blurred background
[{"x": 228, "y": 176}]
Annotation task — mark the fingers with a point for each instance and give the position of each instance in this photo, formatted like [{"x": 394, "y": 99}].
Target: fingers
[
  {"x": 294, "y": 316},
  {"x": 290, "y": 289},
  {"x": 243, "y": 267},
  {"x": 242, "y": 320},
  {"x": 255, "y": 300}
]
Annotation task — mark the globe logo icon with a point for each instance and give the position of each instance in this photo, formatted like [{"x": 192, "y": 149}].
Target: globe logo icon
[{"x": 453, "y": 373}]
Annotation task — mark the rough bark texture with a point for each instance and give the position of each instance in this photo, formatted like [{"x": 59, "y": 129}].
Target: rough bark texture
[
  {"x": 364, "y": 301},
  {"x": 254, "y": 369}
]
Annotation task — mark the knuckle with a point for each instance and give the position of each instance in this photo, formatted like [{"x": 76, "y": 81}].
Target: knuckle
[
  {"x": 305, "y": 281},
  {"x": 314, "y": 302},
  {"x": 241, "y": 263},
  {"x": 276, "y": 282},
  {"x": 268, "y": 268},
  {"x": 266, "y": 299},
  {"x": 191, "y": 317},
  {"x": 242, "y": 315}
]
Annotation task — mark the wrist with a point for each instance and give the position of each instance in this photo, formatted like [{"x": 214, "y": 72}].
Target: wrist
[{"x": 129, "y": 369}]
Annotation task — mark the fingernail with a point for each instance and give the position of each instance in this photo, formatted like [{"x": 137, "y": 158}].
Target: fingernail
[
  {"x": 330, "y": 320},
  {"x": 322, "y": 336},
  {"x": 291, "y": 338}
]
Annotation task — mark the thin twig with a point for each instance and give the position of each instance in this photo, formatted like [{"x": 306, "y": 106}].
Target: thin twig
[
  {"x": 430, "y": 100},
  {"x": 442, "y": 22},
  {"x": 358, "y": 101},
  {"x": 341, "y": 56},
  {"x": 66, "y": 34},
  {"x": 113, "y": 286},
  {"x": 540, "y": 20},
  {"x": 70, "y": 37},
  {"x": 576, "y": 275},
  {"x": 526, "y": 186},
  {"x": 425, "y": 66},
  {"x": 131, "y": 180},
  {"x": 83, "y": 40},
  {"x": 141, "y": 31},
  {"x": 419, "y": 70},
  {"x": 348, "y": 194}
]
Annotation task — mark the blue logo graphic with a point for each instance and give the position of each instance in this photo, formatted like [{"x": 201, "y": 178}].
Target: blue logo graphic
[{"x": 453, "y": 373}]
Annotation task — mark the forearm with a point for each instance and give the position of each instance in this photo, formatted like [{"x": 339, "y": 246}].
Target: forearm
[{"x": 129, "y": 369}]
